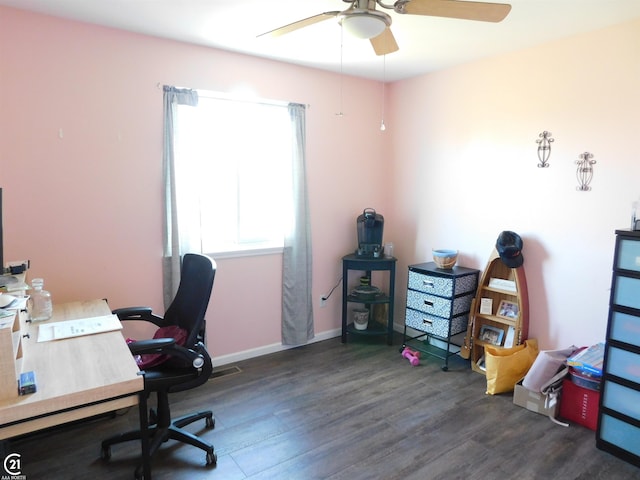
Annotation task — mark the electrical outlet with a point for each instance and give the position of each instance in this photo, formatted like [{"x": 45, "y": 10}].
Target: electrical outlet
[{"x": 323, "y": 301}]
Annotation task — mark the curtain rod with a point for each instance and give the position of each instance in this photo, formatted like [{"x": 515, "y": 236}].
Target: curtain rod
[{"x": 228, "y": 96}]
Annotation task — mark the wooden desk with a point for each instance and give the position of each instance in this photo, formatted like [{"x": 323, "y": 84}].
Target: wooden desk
[{"x": 76, "y": 377}]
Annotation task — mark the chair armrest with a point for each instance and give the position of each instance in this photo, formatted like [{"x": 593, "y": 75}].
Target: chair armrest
[
  {"x": 168, "y": 346},
  {"x": 155, "y": 345},
  {"x": 138, "y": 313},
  {"x": 190, "y": 356},
  {"x": 201, "y": 361}
]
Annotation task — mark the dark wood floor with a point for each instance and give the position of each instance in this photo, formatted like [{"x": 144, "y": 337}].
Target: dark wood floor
[{"x": 334, "y": 411}]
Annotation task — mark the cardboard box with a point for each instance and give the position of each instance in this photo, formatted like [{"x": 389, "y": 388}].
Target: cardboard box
[
  {"x": 579, "y": 404},
  {"x": 534, "y": 401}
]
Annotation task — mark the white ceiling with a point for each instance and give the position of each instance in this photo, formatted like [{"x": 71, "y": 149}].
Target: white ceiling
[{"x": 426, "y": 43}]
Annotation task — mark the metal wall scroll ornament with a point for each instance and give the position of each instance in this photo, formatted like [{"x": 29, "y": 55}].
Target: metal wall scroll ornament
[
  {"x": 584, "y": 171},
  {"x": 544, "y": 148}
]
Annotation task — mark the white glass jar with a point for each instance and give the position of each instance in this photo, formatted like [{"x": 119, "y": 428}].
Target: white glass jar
[{"x": 41, "y": 307}]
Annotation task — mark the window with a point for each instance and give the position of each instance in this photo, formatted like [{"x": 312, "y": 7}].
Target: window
[{"x": 233, "y": 173}]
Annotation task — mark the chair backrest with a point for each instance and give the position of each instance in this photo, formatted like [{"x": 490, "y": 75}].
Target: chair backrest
[{"x": 188, "y": 308}]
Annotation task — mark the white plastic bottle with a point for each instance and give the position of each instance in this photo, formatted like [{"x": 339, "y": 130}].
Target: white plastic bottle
[{"x": 41, "y": 305}]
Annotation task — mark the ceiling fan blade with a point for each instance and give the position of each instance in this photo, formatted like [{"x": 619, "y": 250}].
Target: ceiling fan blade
[
  {"x": 384, "y": 43},
  {"x": 481, "y": 11},
  {"x": 300, "y": 24}
]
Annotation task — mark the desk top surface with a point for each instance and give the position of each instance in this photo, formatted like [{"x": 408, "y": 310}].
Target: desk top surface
[{"x": 75, "y": 371}]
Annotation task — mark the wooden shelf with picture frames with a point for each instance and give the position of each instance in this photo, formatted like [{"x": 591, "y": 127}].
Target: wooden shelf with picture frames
[{"x": 500, "y": 310}]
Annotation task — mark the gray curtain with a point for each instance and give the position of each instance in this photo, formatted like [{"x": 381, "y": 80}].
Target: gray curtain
[
  {"x": 297, "y": 303},
  {"x": 173, "y": 248}
]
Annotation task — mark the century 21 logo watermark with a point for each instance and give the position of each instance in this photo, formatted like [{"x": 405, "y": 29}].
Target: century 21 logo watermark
[{"x": 13, "y": 467}]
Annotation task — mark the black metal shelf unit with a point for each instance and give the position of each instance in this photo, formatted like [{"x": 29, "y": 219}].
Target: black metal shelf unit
[{"x": 367, "y": 265}]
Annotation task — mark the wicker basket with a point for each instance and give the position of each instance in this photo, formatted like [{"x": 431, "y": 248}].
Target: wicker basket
[{"x": 445, "y": 259}]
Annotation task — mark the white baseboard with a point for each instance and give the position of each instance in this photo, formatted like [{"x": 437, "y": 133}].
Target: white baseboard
[
  {"x": 267, "y": 349},
  {"x": 278, "y": 347}
]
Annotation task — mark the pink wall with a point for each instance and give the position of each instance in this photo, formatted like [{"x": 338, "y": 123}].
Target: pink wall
[
  {"x": 466, "y": 169},
  {"x": 456, "y": 166},
  {"x": 86, "y": 208}
]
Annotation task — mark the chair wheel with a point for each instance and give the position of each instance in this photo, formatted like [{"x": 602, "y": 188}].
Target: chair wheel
[
  {"x": 210, "y": 422},
  {"x": 212, "y": 459},
  {"x": 105, "y": 453}
]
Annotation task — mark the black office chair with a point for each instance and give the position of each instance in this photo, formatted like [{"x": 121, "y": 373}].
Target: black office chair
[{"x": 181, "y": 367}]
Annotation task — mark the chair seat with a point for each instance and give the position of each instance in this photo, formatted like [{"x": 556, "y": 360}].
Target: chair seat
[{"x": 156, "y": 379}]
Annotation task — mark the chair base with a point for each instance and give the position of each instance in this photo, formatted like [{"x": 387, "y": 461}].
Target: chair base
[{"x": 159, "y": 434}]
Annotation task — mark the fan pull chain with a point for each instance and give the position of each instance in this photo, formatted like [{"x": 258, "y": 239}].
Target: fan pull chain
[
  {"x": 340, "y": 113},
  {"x": 383, "y": 127}
]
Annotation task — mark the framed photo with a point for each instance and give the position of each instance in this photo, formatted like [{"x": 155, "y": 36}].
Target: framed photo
[
  {"x": 491, "y": 334},
  {"x": 486, "y": 306},
  {"x": 508, "y": 309}
]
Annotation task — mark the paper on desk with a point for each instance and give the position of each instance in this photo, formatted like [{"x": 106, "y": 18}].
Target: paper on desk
[{"x": 78, "y": 328}]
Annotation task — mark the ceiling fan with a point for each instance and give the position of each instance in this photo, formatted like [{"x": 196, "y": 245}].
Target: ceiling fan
[{"x": 363, "y": 20}]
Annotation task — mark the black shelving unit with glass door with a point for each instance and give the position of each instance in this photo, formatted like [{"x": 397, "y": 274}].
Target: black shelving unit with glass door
[{"x": 618, "y": 430}]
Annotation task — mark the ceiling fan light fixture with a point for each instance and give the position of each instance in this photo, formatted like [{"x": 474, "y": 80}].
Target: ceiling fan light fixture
[{"x": 365, "y": 23}]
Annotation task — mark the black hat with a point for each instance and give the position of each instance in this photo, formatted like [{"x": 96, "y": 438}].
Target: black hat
[{"x": 509, "y": 247}]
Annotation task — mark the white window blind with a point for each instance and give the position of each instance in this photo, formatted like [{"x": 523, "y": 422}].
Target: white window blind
[{"x": 233, "y": 169}]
